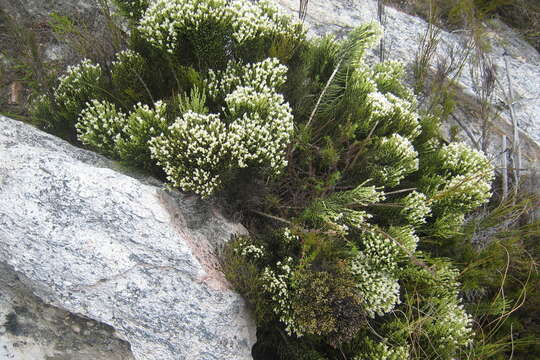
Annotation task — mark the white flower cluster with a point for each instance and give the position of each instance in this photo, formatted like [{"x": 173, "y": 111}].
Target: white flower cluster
[
  {"x": 380, "y": 251},
  {"x": 461, "y": 159},
  {"x": 454, "y": 325},
  {"x": 469, "y": 176},
  {"x": 262, "y": 128},
  {"x": 394, "y": 158},
  {"x": 393, "y": 114},
  {"x": 374, "y": 267},
  {"x": 415, "y": 208},
  {"x": 199, "y": 149},
  {"x": 361, "y": 81},
  {"x": 262, "y": 76},
  {"x": 388, "y": 76},
  {"x": 275, "y": 283},
  {"x": 407, "y": 238},
  {"x": 381, "y": 351},
  {"x": 466, "y": 192},
  {"x": 193, "y": 153},
  {"x": 346, "y": 219},
  {"x": 143, "y": 124},
  {"x": 79, "y": 84},
  {"x": 126, "y": 64},
  {"x": 100, "y": 124},
  {"x": 262, "y": 123},
  {"x": 257, "y": 129},
  {"x": 166, "y": 21},
  {"x": 289, "y": 237},
  {"x": 247, "y": 249},
  {"x": 260, "y": 19},
  {"x": 379, "y": 289},
  {"x": 388, "y": 70}
]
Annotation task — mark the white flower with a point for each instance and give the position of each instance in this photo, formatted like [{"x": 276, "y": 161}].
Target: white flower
[{"x": 99, "y": 125}]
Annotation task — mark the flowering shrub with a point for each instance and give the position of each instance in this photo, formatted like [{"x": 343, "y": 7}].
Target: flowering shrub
[
  {"x": 255, "y": 130},
  {"x": 213, "y": 93},
  {"x": 168, "y": 25},
  {"x": 246, "y": 249},
  {"x": 393, "y": 158},
  {"x": 415, "y": 208},
  {"x": 461, "y": 159},
  {"x": 141, "y": 126},
  {"x": 58, "y": 111},
  {"x": 266, "y": 75},
  {"x": 250, "y": 124},
  {"x": 80, "y": 83},
  {"x": 379, "y": 289},
  {"x": 445, "y": 324},
  {"x": 100, "y": 125},
  {"x": 376, "y": 264},
  {"x": 387, "y": 75},
  {"x": 390, "y": 113},
  {"x": 365, "y": 240},
  {"x": 262, "y": 128},
  {"x": 381, "y": 351},
  {"x": 453, "y": 326},
  {"x": 193, "y": 153},
  {"x": 276, "y": 284},
  {"x": 464, "y": 177}
]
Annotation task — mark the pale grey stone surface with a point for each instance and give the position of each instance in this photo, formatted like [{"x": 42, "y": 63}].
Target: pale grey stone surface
[
  {"x": 89, "y": 239},
  {"x": 32, "y": 330}
]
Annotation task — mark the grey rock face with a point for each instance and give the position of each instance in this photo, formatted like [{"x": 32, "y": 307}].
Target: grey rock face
[
  {"x": 32, "y": 330},
  {"x": 121, "y": 251}
]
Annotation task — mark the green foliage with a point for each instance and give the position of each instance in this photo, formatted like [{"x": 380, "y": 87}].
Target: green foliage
[
  {"x": 242, "y": 271},
  {"x": 364, "y": 127},
  {"x": 358, "y": 203},
  {"x": 498, "y": 254},
  {"x": 381, "y": 351},
  {"x": 132, "y": 9},
  {"x": 460, "y": 178},
  {"x": 100, "y": 126},
  {"x": 141, "y": 126},
  {"x": 129, "y": 74},
  {"x": 226, "y": 111},
  {"x": 392, "y": 159},
  {"x": 193, "y": 152},
  {"x": 196, "y": 102},
  {"x": 214, "y": 30},
  {"x": 81, "y": 84},
  {"x": 254, "y": 132}
]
